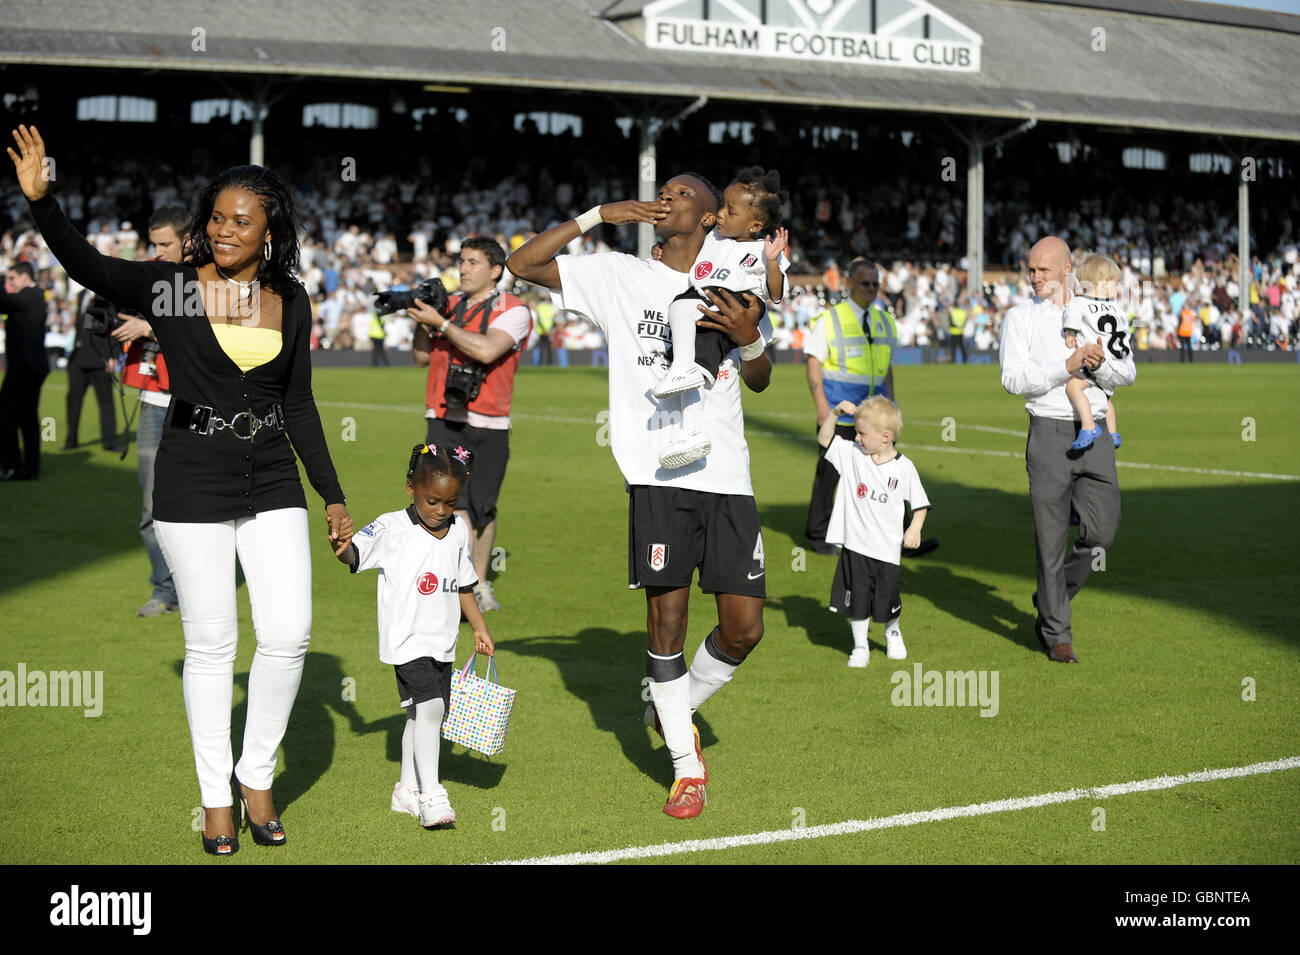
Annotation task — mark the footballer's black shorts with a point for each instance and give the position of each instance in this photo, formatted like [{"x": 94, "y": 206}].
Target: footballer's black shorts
[
  {"x": 671, "y": 531},
  {"x": 865, "y": 587},
  {"x": 422, "y": 680},
  {"x": 491, "y": 450}
]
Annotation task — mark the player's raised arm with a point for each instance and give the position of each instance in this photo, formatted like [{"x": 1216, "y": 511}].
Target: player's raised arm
[{"x": 534, "y": 261}]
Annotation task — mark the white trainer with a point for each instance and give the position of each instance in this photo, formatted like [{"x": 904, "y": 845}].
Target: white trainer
[
  {"x": 680, "y": 381},
  {"x": 859, "y": 658},
  {"x": 685, "y": 449},
  {"x": 406, "y": 799},
  {"x": 485, "y": 598},
  {"x": 894, "y": 648},
  {"x": 435, "y": 810}
]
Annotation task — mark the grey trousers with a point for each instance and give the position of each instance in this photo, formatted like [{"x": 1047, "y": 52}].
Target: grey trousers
[{"x": 1057, "y": 481}]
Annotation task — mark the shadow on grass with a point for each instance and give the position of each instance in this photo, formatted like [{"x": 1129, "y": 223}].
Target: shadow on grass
[{"x": 604, "y": 669}]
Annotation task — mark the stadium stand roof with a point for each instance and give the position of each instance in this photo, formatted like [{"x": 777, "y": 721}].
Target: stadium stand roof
[{"x": 1167, "y": 64}]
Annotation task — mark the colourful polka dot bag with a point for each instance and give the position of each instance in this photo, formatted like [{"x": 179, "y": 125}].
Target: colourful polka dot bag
[{"x": 480, "y": 710}]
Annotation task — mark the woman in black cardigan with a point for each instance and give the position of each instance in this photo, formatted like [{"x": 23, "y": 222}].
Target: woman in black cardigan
[{"x": 233, "y": 322}]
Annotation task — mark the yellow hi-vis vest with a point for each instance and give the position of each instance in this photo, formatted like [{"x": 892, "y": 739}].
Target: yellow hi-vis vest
[
  {"x": 546, "y": 317},
  {"x": 856, "y": 363},
  {"x": 956, "y": 321}
]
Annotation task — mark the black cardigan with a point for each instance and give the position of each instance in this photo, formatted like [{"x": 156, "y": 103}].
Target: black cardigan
[{"x": 204, "y": 479}]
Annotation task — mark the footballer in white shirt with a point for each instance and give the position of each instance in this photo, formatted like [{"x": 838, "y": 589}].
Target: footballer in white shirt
[{"x": 702, "y": 515}]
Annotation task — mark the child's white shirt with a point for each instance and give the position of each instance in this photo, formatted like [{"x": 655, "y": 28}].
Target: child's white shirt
[
  {"x": 1102, "y": 321},
  {"x": 420, "y": 579},
  {"x": 867, "y": 517},
  {"x": 736, "y": 266}
]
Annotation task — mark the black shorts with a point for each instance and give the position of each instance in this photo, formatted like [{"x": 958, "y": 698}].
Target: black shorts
[
  {"x": 711, "y": 345},
  {"x": 865, "y": 587},
  {"x": 671, "y": 531},
  {"x": 491, "y": 449},
  {"x": 422, "y": 680}
]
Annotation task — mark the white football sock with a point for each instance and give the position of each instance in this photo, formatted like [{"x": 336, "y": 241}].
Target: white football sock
[
  {"x": 672, "y": 703},
  {"x": 428, "y": 741},
  {"x": 859, "y": 630},
  {"x": 711, "y": 670}
]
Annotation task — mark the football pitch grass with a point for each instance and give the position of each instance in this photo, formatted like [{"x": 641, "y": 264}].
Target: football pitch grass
[{"x": 1187, "y": 639}]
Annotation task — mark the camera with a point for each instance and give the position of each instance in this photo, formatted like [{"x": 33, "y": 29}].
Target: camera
[
  {"x": 463, "y": 383},
  {"x": 430, "y": 292},
  {"x": 100, "y": 317}
]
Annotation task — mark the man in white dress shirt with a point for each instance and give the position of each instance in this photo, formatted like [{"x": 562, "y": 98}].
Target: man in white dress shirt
[{"x": 1036, "y": 363}]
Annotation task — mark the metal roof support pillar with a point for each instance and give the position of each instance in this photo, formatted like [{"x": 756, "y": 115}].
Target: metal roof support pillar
[
  {"x": 646, "y": 181},
  {"x": 1243, "y": 245},
  {"x": 975, "y": 220}
]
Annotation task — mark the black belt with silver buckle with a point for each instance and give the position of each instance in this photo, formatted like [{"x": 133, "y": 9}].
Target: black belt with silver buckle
[{"x": 204, "y": 420}]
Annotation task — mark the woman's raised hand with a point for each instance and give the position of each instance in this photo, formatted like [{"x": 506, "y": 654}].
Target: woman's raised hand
[{"x": 29, "y": 163}]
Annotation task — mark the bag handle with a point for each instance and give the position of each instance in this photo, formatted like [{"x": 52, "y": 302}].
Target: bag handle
[{"x": 492, "y": 668}]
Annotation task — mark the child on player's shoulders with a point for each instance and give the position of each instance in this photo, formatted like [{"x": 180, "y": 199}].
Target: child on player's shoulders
[{"x": 426, "y": 582}]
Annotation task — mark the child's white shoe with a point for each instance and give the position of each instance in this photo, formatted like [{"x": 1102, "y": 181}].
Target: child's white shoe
[
  {"x": 859, "y": 658},
  {"x": 680, "y": 380},
  {"x": 406, "y": 799},
  {"x": 685, "y": 449},
  {"x": 894, "y": 648},
  {"x": 435, "y": 809}
]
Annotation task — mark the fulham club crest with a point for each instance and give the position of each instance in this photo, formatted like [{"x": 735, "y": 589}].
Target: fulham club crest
[
  {"x": 893, "y": 483},
  {"x": 658, "y": 556},
  {"x": 749, "y": 261}
]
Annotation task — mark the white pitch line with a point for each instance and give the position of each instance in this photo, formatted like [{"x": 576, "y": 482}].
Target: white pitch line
[{"x": 909, "y": 818}]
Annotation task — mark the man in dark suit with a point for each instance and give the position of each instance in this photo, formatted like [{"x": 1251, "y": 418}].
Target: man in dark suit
[{"x": 26, "y": 366}]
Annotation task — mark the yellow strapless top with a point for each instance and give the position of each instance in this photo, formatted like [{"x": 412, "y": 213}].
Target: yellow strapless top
[{"x": 248, "y": 347}]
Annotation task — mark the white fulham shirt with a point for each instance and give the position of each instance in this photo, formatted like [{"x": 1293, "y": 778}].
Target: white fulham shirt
[
  {"x": 1033, "y": 354},
  {"x": 735, "y": 265},
  {"x": 420, "y": 579},
  {"x": 868, "y": 514},
  {"x": 628, "y": 298}
]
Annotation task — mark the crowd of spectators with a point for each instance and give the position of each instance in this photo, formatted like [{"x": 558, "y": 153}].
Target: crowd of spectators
[{"x": 363, "y": 236}]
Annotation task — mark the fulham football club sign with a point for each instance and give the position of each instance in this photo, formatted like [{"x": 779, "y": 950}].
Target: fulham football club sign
[{"x": 908, "y": 33}]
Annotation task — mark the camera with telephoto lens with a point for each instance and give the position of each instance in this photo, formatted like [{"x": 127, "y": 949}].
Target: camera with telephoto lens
[
  {"x": 100, "y": 317},
  {"x": 463, "y": 383},
  {"x": 430, "y": 292}
]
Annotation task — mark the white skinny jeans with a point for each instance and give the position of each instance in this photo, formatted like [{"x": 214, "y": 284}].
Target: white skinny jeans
[{"x": 275, "y": 555}]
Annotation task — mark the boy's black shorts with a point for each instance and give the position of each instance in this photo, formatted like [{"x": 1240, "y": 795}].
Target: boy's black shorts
[
  {"x": 672, "y": 530},
  {"x": 865, "y": 587}
]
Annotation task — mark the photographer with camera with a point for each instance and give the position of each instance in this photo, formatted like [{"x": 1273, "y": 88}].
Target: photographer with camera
[
  {"x": 471, "y": 345},
  {"x": 92, "y": 363},
  {"x": 143, "y": 367}
]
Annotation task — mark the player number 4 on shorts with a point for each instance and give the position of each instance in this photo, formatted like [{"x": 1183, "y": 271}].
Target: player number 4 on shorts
[{"x": 758, "y": 550}]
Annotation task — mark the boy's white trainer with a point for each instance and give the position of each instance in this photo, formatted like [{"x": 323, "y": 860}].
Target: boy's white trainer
[
  {"x": 894, "y": 648},
  {"x": 859, "y": 658}
]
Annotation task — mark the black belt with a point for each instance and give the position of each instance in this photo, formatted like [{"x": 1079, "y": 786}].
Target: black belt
[{"x": 203, "y": 419}]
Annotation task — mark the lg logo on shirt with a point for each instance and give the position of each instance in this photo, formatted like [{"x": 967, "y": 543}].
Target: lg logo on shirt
[
  {"x": 428, "y": 584},
  {"x": 882, "y": 498},
  {"x": 702, "y": 270}
]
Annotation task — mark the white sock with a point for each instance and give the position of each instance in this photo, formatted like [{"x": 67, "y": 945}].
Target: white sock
[
  {"x": 711, "y": 670},
  {"x": 682, "y": 316},
  {"x": 428, "y": 741},
  {"x": 410, "y": 779},
  {"x": 673, "y": 704},
  {"x": 859, "y": 630}
]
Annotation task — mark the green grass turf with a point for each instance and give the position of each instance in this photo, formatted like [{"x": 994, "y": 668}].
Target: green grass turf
[{"x": 1196, "y": 597}]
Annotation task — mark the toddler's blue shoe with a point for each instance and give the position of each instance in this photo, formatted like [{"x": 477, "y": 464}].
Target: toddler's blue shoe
[{"x": 1085, "y": 439}]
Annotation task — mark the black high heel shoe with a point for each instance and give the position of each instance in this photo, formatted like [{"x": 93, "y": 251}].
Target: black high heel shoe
[
  {"x": 219, "y": 845},
  {"x": 271, "y": 834}
]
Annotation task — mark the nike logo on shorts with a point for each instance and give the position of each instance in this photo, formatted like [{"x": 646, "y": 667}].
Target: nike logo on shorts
[{"x": 757, "y": 575}]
